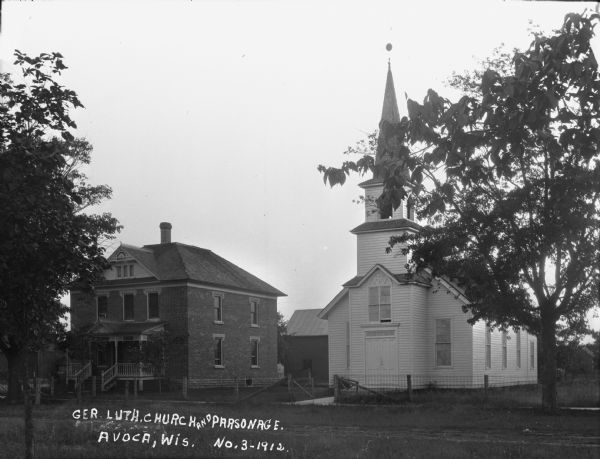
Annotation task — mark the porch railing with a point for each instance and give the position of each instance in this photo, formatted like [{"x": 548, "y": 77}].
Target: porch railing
[
  {"x": 135, "y": 370},
  {"x": 84, "y": 373},
  {"x": 107, "y": 376},
  {"x": 71, "y": 370}
]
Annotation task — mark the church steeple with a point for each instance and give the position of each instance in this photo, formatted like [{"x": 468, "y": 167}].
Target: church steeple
[
  {"x": 389, "y": 115},
  {"x": 389, "y": 111}
]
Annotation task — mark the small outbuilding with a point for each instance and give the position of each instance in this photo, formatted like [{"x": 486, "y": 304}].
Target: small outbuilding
[{"x": 307, "y": 347}]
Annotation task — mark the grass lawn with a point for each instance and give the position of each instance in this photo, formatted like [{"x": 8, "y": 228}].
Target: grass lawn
[{"x": 429, "y": 429}]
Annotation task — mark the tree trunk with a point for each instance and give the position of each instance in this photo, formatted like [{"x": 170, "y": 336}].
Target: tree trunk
[
  {"x": 549, "y": 396},
  {"x": 15, "y": 369},
  {"x": 28, "y": 413}
]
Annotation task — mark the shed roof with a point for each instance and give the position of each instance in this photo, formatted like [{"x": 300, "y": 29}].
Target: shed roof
[{"x": 304, "y": 322}]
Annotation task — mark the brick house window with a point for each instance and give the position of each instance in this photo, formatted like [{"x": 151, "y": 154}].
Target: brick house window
[
  {"x": 218, "y": 350},
  {"x": 218, "y": 307},
  {"x": 443, "y": 345},
  {"x": 519, "y": 348},
  {"x": 254, "y": 312},
  {"x": 380, "y": 309},
  {"x": 254, "y": 352},
  {"x": 102, "y": 303},
  {"x": 488, "y": 347},
  {"x": 504, "y": 349},
  {"x": 153, "y": 305},
  {"x": 128, "y": 306}
]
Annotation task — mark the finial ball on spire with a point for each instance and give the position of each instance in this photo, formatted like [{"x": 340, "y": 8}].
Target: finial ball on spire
[{"x": 388, "y": 46}]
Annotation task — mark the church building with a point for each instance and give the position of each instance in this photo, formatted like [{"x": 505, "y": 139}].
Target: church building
[{"x": 385, "y": 323}]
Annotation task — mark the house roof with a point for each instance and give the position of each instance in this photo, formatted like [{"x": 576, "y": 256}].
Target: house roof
[
  {"x": 384, "y": 225},
  {"x": 305, "y": 322},
  {"x": 105, "y": 328},
  {"x": 174, "y": 261}
]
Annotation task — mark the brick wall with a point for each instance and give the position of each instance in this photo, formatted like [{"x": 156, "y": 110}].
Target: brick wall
[
  {"x": 189, "y": 316},
  {"x": 237, "y": 332},
  {"x": 172, "y": 304},
  {"x": 83, "y": 309}
]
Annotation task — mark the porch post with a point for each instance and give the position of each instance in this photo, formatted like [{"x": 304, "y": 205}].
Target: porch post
[{"x": 116, "y": 351}]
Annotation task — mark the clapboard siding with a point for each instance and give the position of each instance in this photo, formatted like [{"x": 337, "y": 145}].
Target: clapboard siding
[
  {"x": 371, "y": 250},
  {"x": 420, "y": 346},
  {"x": 337, "y": 320},
  {"x": 400, "y": 321},
  {"x": 444, "y": 305},
  {"x": 497, "y": 373}
]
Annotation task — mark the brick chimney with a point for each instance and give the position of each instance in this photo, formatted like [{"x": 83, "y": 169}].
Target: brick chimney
[{"x": 165, "y": 232}]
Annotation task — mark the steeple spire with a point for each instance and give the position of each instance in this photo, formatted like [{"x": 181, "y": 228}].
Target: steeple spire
[
  {"x": 390, "y": 111},
  {"x": 389, "y": 115}
]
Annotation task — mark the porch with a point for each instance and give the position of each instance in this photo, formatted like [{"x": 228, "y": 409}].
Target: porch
[{"x": 120, "y": 351}]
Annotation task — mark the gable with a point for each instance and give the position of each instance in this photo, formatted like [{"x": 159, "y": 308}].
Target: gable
[{"x": 129, "y": 262}]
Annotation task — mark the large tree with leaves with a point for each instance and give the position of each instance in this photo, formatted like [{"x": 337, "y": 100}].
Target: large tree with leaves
[
  {"x": 509, "y": 179},
  {"x": 47, "y": 236}
]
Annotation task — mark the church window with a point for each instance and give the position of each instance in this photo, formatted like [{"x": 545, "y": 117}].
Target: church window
[
  {"x": 380, "y": 307},
  {"x": 519, "y": 348},
  {"x": 488, "y": 347},
  {"x": 443, "y": 345},
  {"x": 504, "y": 349}
]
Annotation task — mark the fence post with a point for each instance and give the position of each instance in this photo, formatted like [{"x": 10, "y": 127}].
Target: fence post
[
  {"x": 38, "y": 394},
  {"x": 290, "y": 387},
  {"x": 184, "y": 387},
  {"x": 52, "y": 386},
  {"x": 93, "y": 386},
  {"x": 409, "y": 387},
  {"x": 336, "y": 389},
  {"x": 78, "y": 390}
]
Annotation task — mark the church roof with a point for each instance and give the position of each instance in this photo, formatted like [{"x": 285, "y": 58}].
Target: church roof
[
  {"x": 404, "y": 278},
  {"x": 174, "y": 261},
  {"x": 305, "y": 322},
  {"x": 386, "y": 225}
]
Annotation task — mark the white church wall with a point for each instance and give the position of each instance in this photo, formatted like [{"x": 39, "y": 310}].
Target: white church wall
[
  {"x": 371, "y": 250},
  {"x": 441, "y": 304},
  {"x": 338, "y": 327},
  {"x": 421, "y": 355},
  {"x": 498, "y": 373}
]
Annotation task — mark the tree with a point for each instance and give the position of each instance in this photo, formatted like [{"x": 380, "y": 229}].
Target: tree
[
  {"x": 509, "y": 179},
  {"x": 47, "y": 240},
  {"x": 281, "y": 343}
]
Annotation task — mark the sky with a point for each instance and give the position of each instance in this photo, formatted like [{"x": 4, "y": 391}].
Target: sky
[{"x": 213, "y": 115}]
